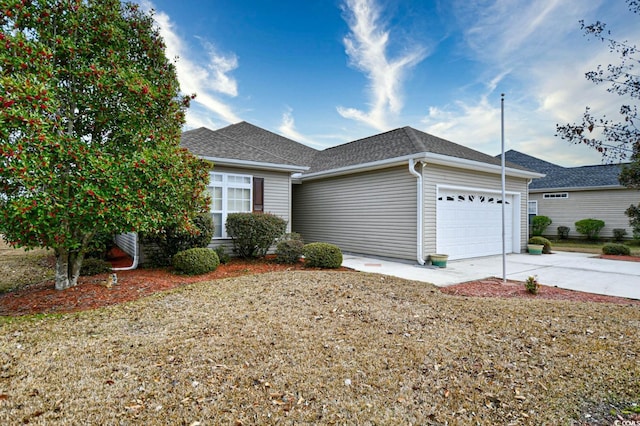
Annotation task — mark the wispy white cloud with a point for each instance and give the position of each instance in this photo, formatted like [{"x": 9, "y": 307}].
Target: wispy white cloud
[
  {"x": 207, "y": 82},
  {"x": 536, "y": 54},
  {"x": 366, "y": 45},
  {"x": 288, "y": 129}
]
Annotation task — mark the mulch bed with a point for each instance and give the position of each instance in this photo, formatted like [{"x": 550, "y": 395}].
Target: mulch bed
[
  {"x": 92, "y": 292},
  {"x": 619, "y": 257},
  {"x": 494, "y": 287}
]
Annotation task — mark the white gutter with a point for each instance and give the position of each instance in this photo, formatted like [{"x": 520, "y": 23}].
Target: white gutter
[
  {"x": 255, "y": 164},
  {"x": 420, "y": 221},
  {"x": 422, "y": 156},
  {"x": 136, "y": 257},
  {"x": 478, "y": 166}
]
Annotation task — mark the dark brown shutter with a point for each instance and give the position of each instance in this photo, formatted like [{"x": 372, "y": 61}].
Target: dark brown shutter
[{"x": 258, "y": 195}]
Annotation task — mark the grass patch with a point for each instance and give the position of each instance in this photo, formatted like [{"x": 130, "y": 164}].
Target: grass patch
[
  {"x": 590, "y": 247},
  {"x": 320, "y": 348}
]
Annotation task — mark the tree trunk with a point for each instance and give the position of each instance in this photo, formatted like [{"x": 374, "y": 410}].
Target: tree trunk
[
  {"x": 62, "y": 269},
  {"x": 67, "y": 268}
]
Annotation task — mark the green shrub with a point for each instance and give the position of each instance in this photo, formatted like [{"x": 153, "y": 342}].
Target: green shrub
[
  {"x": 563, "y": 232},
  {"x": 543, "y": 242},
  {"x": 289, "y": 249},
  {"x": 254, "y": 233},
  {"x": 223, "y": 256},
  {"x": 619, "y": 249},
  {"x": 322, "y": 255},
  {"x": 539, "y": 224},
  {"x": 93, "y": 266},
  {"x": 633, "y": 212},
  {"x": 195, "y": 261},
  {"x": 165, "y": 243},
  {"x": 590, "y": 228},
  {"x": 618, "y": 234},
  {"x": 532, "y": 285}
]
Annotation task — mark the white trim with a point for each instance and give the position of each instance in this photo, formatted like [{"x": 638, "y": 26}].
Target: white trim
[
  {"x": 425, "y": 157},
  {"x": 530, "y": 202},
  {"x": 473, "y": 188},
  {"x": 225, "y": 185},
  {"x": 463, "y": 163},
  {"x": 254, "y": 164}
]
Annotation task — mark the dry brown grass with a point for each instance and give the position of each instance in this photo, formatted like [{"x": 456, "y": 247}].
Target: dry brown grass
[
  {"x": 19, "y": 267},
  {"x": 320, "y": 348}
]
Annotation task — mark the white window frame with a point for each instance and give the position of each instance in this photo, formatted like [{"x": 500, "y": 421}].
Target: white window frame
[
  {"x": 534, "y": 204},
  {"x": 227, "y": 181},
  {"x": 555, "y": 195}
]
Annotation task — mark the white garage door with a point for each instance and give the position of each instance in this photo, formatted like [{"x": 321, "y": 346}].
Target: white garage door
[{"x": 469, "y": 223}]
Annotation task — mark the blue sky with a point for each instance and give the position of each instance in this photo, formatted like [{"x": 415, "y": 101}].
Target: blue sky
[{"x": 325, "y": 72}]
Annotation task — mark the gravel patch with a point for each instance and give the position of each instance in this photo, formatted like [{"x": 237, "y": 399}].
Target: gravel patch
[{"x": 320, "y": 348}]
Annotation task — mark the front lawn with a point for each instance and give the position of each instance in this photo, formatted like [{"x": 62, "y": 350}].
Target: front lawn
[{"x": 313, "y": 347}]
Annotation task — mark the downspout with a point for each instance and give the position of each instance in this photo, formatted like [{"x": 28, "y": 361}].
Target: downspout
[
  {"x": 135, "y": 258},
  {"x": 420, "y": 222}
]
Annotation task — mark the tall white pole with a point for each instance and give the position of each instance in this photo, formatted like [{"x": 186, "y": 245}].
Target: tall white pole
[{"x": 504, "y": 254}]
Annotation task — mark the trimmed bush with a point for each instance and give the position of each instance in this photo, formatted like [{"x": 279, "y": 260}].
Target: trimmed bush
[
  {"x": 322, "y": 255},
  {"x": 590, "y": 228},
  {"x": 93, "y": 266},
  {"x": 563, "y": 232},
  {"x": 618, "y": 234},
  {"x": 254, "y": 233},
  {"x": 289, "y": 249},
  {"x": 543, "y": 242},
  {"x": 195, "y": 261},
  {"x": 164, "y": 244},
  {"x": 223, "y": 256},
  {"x": 618, "y": 249},
  {"x": 539, "y": 224}
]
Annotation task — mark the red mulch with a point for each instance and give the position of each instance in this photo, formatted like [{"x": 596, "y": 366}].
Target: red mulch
[
  {"x": 494, "y": 287},
  {"x": 619, "y": 257},
  {"x": 91, "y": 292}
]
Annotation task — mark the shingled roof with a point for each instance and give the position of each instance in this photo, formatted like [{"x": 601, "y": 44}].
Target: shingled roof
[
  {"x": 246, "y": 142},
  {"x": 558, "y": 177},
  {"x": 393, "y": 144}
]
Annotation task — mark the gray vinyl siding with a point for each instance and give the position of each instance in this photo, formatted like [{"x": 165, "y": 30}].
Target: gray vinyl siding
[
  {"x": 370, "y": 212},
  {"x": 277, "y": 195},
  {"x": 434, "y": 175},
  {"x": 607, "y": 205}
]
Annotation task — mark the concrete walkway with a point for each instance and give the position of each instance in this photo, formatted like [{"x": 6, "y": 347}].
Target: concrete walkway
[{"x": 574, "y": 271}]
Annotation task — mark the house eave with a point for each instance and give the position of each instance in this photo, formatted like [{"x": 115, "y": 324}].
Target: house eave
[
  {"x": 254, "y": 164},
  {"x": 463, "y": 163}
]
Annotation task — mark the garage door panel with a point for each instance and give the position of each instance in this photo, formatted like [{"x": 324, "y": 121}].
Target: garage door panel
[{"x": 469, "y": 223}]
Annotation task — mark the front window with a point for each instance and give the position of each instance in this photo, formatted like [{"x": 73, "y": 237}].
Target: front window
[{"x": 229, "y": 194}]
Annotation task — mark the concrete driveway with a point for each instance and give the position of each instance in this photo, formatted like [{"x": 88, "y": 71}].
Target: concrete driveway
[{"x": 574, "y": 271}]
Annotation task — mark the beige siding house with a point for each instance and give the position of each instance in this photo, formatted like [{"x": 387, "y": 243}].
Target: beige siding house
[
  {"x": 407, "y": 194},
  {"x": 403, "y": 194},
  {"x": 569, "y": 194}
]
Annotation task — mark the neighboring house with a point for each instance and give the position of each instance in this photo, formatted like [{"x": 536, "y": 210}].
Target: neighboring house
[
  {"x": 569, "y": 194},
  {"x": 402, "y": 194}
]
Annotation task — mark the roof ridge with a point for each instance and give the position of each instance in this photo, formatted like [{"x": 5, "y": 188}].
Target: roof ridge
[{"x": 413, "y": 137}]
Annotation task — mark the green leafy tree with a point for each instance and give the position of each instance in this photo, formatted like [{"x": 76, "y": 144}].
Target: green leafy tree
[
  {"x": 614, "y": 139},
  {"x": 90, "y": 123}
]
